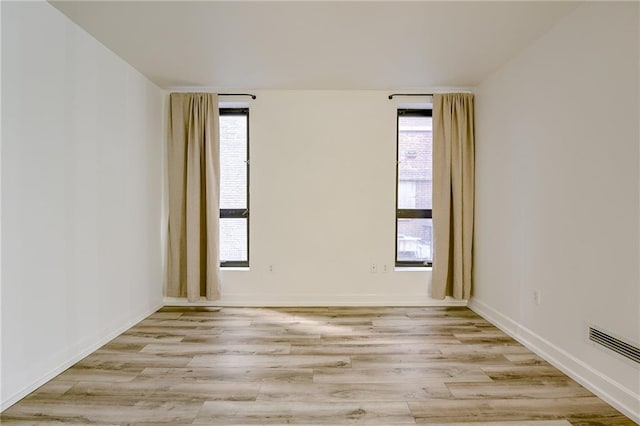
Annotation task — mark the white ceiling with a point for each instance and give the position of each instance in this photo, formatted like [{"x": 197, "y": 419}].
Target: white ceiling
[{"x": 315, "y": 45}]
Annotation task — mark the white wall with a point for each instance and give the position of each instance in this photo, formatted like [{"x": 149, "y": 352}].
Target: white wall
[
  {"x": 81, "y": 195},
  {"x": 557, "y": 195},
  {"x": 322, "y": 203}
]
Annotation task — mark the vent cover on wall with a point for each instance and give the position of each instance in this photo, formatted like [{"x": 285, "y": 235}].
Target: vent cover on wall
[{"x": 618, "y": 346}]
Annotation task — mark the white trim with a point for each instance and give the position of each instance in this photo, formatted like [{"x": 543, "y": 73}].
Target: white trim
[
  {"x": 416, "y": 105},
  {"x": 75, "y": 354},
  {"x": 614, "y": 393},
  {"x": 413, "y": 269},
  {"x": 233, "y": 104},
  {"x": 309, "y": 300}
]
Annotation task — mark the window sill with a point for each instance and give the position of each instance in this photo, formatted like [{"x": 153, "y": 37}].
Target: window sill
[
  {"x": 234, "y": 268},
  {"x": 413, "y": 268}
]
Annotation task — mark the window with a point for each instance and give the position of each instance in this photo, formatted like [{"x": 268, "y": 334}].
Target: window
[
  {"x": 234, "y": 187},
  {"x": 414, "y": 231}
]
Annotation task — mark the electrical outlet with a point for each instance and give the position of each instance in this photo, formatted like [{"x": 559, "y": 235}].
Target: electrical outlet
[
  {"x": 537, "y": 297},
  {"x": 270, "y": 268},
  {"x": 374, "y": 268},
  {"x": 385, "y": 268}
]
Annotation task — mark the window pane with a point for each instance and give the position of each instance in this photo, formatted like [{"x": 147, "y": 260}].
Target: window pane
[
  {"x": 414, "y": 162},
  {"x": 415, "y": 240},
  {"x": 233, "y": 240},
  {"x": 233, "y": 166}
]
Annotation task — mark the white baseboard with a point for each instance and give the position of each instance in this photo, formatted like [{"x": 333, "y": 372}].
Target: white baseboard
[
  {"x": 620, "y": 397},
  {"x": 75, "y": 354},
  {"x": 310, "y": 300}
]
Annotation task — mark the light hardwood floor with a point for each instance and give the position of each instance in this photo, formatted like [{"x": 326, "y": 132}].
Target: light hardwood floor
[{"x": 332, "y": 366}]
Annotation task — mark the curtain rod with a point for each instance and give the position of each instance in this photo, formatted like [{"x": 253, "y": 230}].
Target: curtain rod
[
  {"x": 237, "y": 94},
  {"x": 410, "y": 94}
]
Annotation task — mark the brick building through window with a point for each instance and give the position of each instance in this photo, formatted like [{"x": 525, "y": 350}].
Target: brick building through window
[{"x": 414, "y": 234}]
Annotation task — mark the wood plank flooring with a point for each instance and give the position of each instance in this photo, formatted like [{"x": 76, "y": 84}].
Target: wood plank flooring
[{"x": 336, "y": 366}]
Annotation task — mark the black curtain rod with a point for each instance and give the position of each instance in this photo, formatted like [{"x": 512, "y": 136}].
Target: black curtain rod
[
  {"x": 237, "y": 94},
  {"x": 410, "y": 94}
]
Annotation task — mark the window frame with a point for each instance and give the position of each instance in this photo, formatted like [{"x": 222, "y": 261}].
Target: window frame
[
  {"x": 408, "y": 213},
  {"x": 238, "y": 213}
]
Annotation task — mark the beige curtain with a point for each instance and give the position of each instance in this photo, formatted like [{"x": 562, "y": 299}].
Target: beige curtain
[
  {"x": 453, "y": 192},
  {"x": 194, "y": 192}
]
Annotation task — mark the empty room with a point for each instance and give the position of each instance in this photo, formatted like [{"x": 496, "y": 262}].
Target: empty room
[{"x": 320, "y": 212}]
